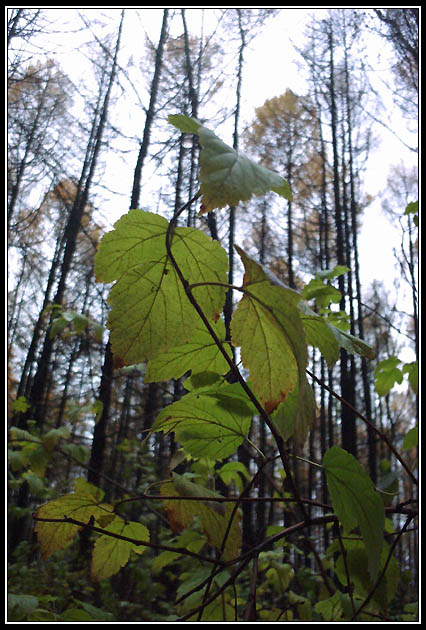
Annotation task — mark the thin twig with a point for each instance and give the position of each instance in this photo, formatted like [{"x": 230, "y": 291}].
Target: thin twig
[
  {"x": 367, "y": 422},
  {"x": 233, "y": 367},
  {"x": 383, "y": 571},
  {"x": 143, "y": 543}
]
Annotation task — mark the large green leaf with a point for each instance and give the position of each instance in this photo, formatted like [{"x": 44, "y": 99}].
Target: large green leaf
[
  {"x": 151, "y": 312},
  {"x": 355, "y": 502},
  {"x": 226, "y": 176},
  {"x": 110, "y": 554},
  {"x": 356, "y": 562},
  {"x": 267, "y": 325},
  {"x": 208, "y": 422},
  {"x": 81, "y": 505},
  {"x": 199, "y": 354},
  {"x": 214, "y": 516}
]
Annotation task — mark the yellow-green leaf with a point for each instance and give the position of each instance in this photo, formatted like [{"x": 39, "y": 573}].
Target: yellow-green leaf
[
  {"x": 209, "y": 422},
  {"x": 214, "y": 516},
  {"x": 81, "y": 505},
  {"x": 110, "y": 554},
  {"x": 267, "y": 325},
  {"x": 151, "y": 312},
  {"x": 199, "y": 354}
]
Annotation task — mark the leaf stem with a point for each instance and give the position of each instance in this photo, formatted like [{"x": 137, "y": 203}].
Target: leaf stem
[
  {"x": 233, "y": 367},
  {"x": 143, "y": 543},
  {"x": 370, "y": 424}
]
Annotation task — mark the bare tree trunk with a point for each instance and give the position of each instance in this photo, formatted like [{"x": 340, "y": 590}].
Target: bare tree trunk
[
  {"x": 137, "y": 179},
  {"x": 105, "y": 389},
  {"x": 348, "y": 418},
  {"x": 37, "y": 396}
]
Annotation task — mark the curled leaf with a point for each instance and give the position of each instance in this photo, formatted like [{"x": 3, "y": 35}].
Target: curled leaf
[{"x": 226, "y": 176}]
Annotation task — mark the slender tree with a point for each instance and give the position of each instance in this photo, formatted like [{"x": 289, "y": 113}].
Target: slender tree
[
  {"x": 38, "y": 394},
  {"x": 97, "y": 455}
]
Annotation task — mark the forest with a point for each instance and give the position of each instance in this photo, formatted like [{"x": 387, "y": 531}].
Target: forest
[{"x": 212, "y": 347}]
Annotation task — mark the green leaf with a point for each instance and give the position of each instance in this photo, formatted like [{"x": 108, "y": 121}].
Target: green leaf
[
  {"x": 388, "y": 483},
  {"x": 80, "y": 505},
  {"x": 184, "y": 123},
  {"x": 214, "y": 516},
  {"x": 80, "y": 452},
  {"x": 21, "y": 435},
  {"x": 285, "y": 415},
  {"x": 163, "y": 559},
  {"x": 38, "y": 458},
  {"x": 280, "y": 576},
  {"x": 386, "y": 375},
  {"x": 358, "y": 563},
  {"x": 189, "y": 539},
  {"x": 20, "y": 405},
  {"x": 202, "y": 380},
  {"x": 97, "y": 408},
  {"x": 411, "y": 439},
  {"x": 323, "y": 293},
  {"x": 150, "y": 311},
  {"x": 16, "y": 460},
  {"x": 233, "y": 471},
  {"x": 97, "y": 613},
  {"x": 267, "y": 325},
  {"x": 52, "y": 437},
  {"x": 412, "y": 208},
  {"x": 199, "y": 354},
  {"x": 219, "y": 610},
  {"x": 34, "y": 482},
  {"x": 355, "y": 502},
  {"x": 352, "y": 344},
  {"x": 331, "y": 609},
  {"x": 335, "y": 272},
  {"x": 210, "y": 422},
  {"x": 57, "y": 326},
  {"x": 226, "y": 176},
  {"x": 76, "y": 614},
  {"x": 412, "y": 369},
  {"x": 110, "y": 554},
  {"x": 321, "y": 334},
  {"x": 79, "y": 321}
]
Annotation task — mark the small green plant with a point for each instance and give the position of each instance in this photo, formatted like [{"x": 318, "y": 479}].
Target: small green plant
[{"x": 168, "y": 293}]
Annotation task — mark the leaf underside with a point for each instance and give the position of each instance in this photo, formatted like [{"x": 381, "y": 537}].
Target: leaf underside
[
  {"x": 150, "y": 311},
  {"x": 227, "y": 177},
  {"x": 268, "y": 328},
  {"x": 210, "y": 422},
  {"x": 214, "y": 516}
]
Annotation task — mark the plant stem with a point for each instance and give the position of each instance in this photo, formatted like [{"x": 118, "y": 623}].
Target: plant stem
[{"x": 233, "y": 367}]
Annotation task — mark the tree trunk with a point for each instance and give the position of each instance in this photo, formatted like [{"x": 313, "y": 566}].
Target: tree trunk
[
  {"x": 37, "y": 397},
  {"x": 137, "y": 179},
  {"x": 105, "y": 390}
]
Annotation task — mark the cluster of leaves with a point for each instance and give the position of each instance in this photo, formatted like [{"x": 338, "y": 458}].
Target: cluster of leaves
[
  {"x": 113, "y": 547},
  {"x": 166, "y": 303},
  {"x": 30, "y": 453}
]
